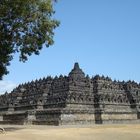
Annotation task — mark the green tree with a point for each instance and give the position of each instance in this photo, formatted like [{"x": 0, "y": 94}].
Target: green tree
[{"x": 26, "y": 26}]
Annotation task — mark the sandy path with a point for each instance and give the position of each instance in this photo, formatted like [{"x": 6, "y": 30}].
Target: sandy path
[{"x": 104, "y": 132}]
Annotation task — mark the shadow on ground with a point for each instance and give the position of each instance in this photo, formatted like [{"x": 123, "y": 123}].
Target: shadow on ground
[{"x": 11, "y": 129}]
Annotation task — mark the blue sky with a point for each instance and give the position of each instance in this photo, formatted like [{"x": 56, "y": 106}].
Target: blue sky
[{"x": 102, "y": 35}]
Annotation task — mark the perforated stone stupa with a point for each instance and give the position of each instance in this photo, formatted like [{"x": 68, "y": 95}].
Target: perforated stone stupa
[{"x": 72, "y": 99}]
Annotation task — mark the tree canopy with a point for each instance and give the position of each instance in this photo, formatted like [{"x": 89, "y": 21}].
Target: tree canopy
[{"x": 26, "y": 26}]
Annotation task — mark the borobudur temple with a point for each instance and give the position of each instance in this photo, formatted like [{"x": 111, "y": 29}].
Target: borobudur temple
[{"x": 72, "y": 99}]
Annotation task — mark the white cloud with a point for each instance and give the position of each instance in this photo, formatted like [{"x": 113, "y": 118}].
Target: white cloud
[{"x": 6, "y": 86}]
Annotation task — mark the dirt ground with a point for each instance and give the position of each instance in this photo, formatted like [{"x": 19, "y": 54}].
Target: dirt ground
[{"x": 97, "y": 132}]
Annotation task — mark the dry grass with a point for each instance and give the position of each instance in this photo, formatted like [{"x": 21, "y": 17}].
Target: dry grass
[{"x": 97, "y": 132}]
